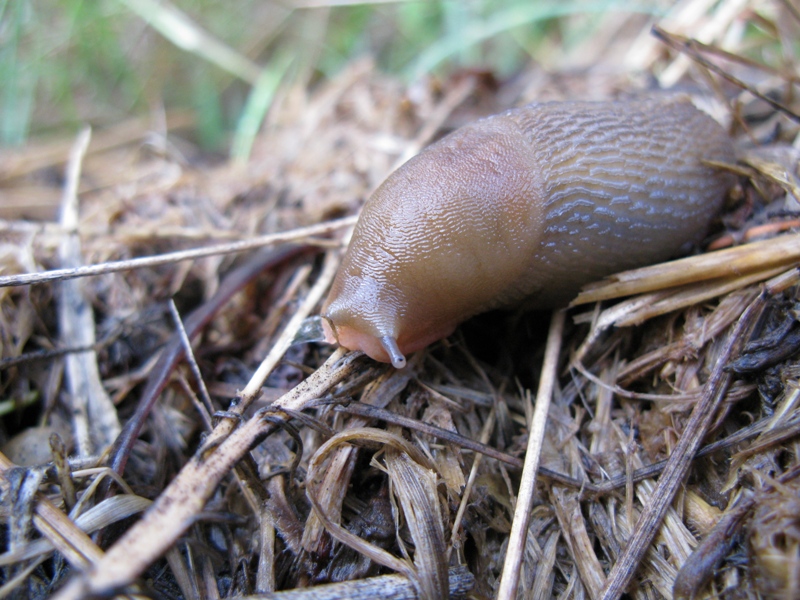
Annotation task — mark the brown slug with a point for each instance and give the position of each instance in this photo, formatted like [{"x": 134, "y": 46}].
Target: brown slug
[{"x": 524, "y": 207}]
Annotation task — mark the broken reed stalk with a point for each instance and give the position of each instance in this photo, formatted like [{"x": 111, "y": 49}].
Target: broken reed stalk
[{"x": 781, "y": 251}]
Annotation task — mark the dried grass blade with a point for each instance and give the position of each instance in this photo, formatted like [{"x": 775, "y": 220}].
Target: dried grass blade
[
  {"x": 415, "y": 486},
  {"x": 340, "y": 466},
  {"x": 18, "y": 162},
  {"x": 573, "y": 528},
  {"x": 365, "y": 434},
  {"x": 691, "y": 295},
  {"x": 542, "y": 588},
  {"x": 182, "y": 31}
]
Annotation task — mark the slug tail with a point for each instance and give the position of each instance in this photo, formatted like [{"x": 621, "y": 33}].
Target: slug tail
[{"x": 390, "y": 345}]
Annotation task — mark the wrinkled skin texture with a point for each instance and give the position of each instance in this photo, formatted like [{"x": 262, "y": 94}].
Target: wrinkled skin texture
[{"x": 525, "y": 207}]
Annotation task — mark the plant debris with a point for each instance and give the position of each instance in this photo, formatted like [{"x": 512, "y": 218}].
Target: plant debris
[{"x": 185, "y": 447}]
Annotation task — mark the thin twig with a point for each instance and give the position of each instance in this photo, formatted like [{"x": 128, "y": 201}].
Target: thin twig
[
  {"x": 171, "y": 257},
  {"x": 689, "y": 47},
  {"x": 72, "y": 305},
  {"x": 519, "y": 528},
  {"x": 189, "y": 354},
  {"x": 466, "y": 496}
]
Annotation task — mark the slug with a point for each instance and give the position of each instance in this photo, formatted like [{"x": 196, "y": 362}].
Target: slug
[{"x": 524, "y": 208}]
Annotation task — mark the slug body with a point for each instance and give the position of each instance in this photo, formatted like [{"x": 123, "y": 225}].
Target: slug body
[{"x": 524, "y": 207}]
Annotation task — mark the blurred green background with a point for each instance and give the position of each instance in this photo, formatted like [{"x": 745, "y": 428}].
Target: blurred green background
[{"x": 68, "y": 62}]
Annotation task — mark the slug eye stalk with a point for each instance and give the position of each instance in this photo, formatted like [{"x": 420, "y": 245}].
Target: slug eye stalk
[{"x": 390, "y": 345}]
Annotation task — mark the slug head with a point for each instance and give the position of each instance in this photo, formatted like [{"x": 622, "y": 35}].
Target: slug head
[
  {"x": 364, "y": 314},
  {"x": 439, "y": 241}
]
